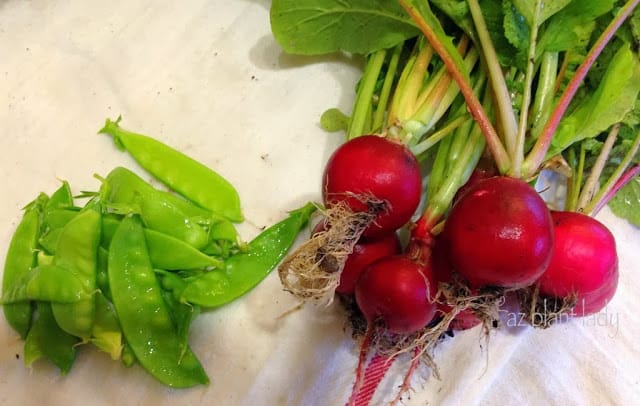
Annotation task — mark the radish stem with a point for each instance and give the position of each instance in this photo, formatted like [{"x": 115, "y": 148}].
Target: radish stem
[
  {"x": 505, "y": 113},
  {"x": 591, "y": 184},
  {"x": 518, "y": 152},
  {"x": 503, "y": 162},
  {"x": 362, "y": 109}
]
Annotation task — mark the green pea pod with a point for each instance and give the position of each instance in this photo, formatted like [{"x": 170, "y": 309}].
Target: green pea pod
[
  {"x": 166, "y": 251},
  {"x": 245, "y": 270},
  {"x": 77, "y": 252},
  {"x": 125, "y": 190},
  {"x": 181, "y": 173},
  {"x": 106, "y": 334},
  {"x": 47, "y": 339},
  {"x": 21, "y": 258},
  {"x": 128, "y": 358},
  {"x": 171, "y": 253},
  {"x": 47, "y": 283},
  {"x": 144, "y": 317},
  {"x": 62, "y": 198}
]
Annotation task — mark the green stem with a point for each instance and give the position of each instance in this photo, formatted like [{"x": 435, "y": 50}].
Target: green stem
[
  {"x": 365, "y": 94},
  {"x": 591, "y": 183},
  {"x": 608, "y": 189},
  {"x": 545, "y": 90},
  {"x": 536, "y": 156},
  {"x": 416, "y": 78},
  {"x": 501, "y": 158},
  {"x": 575, "y": 183},
  {"x": 385, "y": 93},
  {"x": 437, "y": 136},
  {"x": 518, "y": 152},
  {"x": 505, "y": 113}
]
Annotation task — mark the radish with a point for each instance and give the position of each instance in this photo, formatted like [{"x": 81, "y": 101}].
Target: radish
[
  {"x": 500, "y": 233},
  {"x": 374, "y": 173},
  {"x": 584, "y": 263},
  {"x": 399, "y": 292},
  {"x": 365, "y": 251}
]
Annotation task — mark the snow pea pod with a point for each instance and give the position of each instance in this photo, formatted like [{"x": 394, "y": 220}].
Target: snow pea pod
[
  {"x": 180, "y": 172},
  {"x": 77, "y": 252},
  {"x": 47, "y": 339},
  {"x": 126, "y": 192},
  {"x": 165, "y": 251},
  {"x": 46, "y": 282},
  {"x": 144, "y": 317},
  {"x": 245, "y": 270},
  {"x": 21, "y": 258}
]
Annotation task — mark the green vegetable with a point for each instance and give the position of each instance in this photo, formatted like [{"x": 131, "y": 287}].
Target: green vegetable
[
  {"x": 46, "y": 282},
  {"x": 245, "y": 270},
  {"x": 143, "y": 314},
  {"x": 47, "y": 339},
  {"x": 77, "y": 252},
  {"x": 183, "y": 174},
  {"x": 21, "y": 257},
  {"x": 313, "y": 27},
  {"x": 125, "y": 192}
]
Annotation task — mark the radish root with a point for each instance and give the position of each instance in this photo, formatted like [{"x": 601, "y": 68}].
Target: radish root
[
  {"x": 544, "y": 311},
  {"x": 312, "y": 271}
]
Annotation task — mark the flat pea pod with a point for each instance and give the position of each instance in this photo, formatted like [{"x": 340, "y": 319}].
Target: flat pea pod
[
  {"x": 128, "y": 193},
  {"x": 77, "y": 252},
  {"x": 180, "y": 172},
  {"x": 245, "y": 270},
  {"x": 21, "y": 258},
  {"x": 166, "y": 251},
  {"x": 46, "y": 282},
  {"x": 47, "y": 339},
  {"x": 144, "y": 317}
]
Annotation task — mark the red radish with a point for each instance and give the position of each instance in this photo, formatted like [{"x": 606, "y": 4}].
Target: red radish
[
  {"x": 364, "y": 252},
  {"x": 481, "y": 172},
  {"x": 500, "y": 233},
  {"x": 372, "y": 166},
  {"x": 398, "y": 291},
  {"x": 584, "y": 262}
]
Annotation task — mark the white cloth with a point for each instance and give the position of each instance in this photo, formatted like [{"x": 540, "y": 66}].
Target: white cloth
[{"x": 208, "y": 78}]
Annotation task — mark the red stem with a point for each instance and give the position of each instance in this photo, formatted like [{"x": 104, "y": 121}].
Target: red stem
[{"x": 539, "y": 151}]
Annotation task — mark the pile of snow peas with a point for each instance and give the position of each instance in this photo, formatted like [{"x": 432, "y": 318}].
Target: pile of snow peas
[{"x": 130, "y": 269}]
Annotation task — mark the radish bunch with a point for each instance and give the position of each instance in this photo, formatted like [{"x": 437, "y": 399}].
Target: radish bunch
[{"x": 481, "y": 134}]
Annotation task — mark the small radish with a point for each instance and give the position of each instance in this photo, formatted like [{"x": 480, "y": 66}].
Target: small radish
[
  {"x": 369, "y": 170},
  {"x": 584, "y": 263},
  {"x": 399, "y": 292},
  {"x": 365, "y": 251},
  {"x": 500, "y": 233}
]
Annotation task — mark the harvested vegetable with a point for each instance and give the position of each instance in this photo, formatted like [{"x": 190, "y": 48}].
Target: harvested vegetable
[
  {"x": 129, "y": 271},
  {"x": 543, "y": 98}
]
